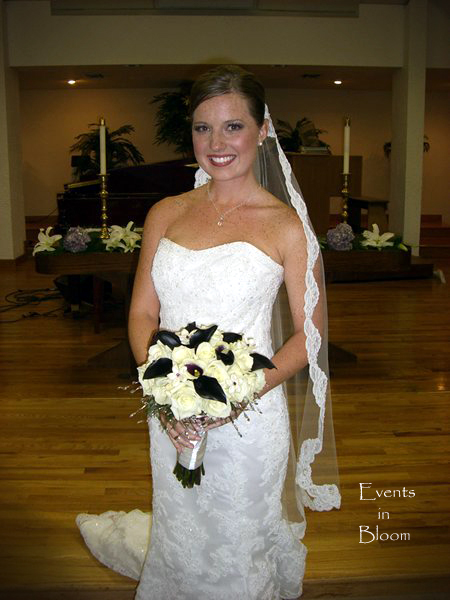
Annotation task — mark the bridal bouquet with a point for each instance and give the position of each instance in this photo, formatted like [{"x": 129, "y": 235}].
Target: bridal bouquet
[{"x": 198, "y": 375}]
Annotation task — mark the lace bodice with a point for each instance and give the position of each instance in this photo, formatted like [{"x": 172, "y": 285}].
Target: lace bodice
[{"x": 232, "y": 285}]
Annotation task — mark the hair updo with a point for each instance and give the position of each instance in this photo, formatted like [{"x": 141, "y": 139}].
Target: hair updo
[{"x": 226, "y": 79}]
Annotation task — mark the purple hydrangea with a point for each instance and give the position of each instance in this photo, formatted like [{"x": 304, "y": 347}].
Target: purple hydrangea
[
  {"x": 76, "y": 240},
  {"x": 341, "y": 237}
]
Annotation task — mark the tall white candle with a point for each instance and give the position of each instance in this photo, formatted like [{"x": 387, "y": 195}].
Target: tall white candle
[
  {"x": 102, "y": 147},
  {"x": 346, "y": 169}
]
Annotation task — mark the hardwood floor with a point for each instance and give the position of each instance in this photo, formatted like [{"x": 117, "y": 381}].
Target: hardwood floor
[{"x": 69, "y": 446}]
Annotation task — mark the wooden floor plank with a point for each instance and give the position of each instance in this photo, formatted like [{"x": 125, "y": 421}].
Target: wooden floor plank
[{"x": 70, "y": 446}]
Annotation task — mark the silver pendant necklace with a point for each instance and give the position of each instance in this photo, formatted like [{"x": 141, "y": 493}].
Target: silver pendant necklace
[{"x": 224, "y": 214}]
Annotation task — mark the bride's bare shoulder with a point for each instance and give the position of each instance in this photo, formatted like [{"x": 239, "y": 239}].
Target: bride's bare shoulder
[
  {"x": 287, "y": 227},
  {"x": 169, "y": 209}
]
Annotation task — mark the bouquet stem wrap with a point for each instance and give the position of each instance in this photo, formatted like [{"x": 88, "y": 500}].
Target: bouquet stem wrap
[{"x": 189, "y": 468}]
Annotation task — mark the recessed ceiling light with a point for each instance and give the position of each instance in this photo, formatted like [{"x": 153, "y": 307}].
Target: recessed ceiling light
[
  {"x": 337, "y": 82},
  {"x": 71, "y": 82}
]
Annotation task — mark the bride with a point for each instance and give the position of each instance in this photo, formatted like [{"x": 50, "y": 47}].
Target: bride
[{"x": 219, "y": 254}]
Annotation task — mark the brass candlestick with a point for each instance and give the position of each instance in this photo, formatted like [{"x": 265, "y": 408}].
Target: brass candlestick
[
  {"x": 344, "y": 194},
  {"x": 104, "y": 235}
]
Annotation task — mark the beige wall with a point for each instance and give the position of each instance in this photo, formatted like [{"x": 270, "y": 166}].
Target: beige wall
[
  {"x": 36, "y": 37},
  {"x": 52, "y": 118},
  {"x": 436, "y": 172}
]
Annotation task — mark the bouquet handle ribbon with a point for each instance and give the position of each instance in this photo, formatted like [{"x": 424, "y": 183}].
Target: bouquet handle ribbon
[{"x": 189, "y": 467}]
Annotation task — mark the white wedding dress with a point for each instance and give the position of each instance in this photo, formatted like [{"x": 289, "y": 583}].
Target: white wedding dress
[{"x": 225, "y": 539}]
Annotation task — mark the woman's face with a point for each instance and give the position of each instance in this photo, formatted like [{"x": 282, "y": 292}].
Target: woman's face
[{"x": 226, "y": 136}]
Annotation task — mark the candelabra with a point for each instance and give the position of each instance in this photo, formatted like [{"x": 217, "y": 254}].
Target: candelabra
[
  {"x": 344, "y": 194},
  {"x": 104, "y": 235}
]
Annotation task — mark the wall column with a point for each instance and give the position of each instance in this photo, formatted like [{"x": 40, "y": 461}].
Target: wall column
[
  {"x": 408, "y": 107},
  {"x": 12, "y": 213}
]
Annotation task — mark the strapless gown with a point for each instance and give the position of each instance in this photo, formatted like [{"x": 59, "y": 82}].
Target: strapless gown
[{"x": 226, "y": 539}]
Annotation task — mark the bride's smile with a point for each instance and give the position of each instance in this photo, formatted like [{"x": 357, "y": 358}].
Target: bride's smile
[{"x": 221, "y": 161}]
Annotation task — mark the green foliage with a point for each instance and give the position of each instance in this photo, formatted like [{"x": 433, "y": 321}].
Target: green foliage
[
  {"x": 173, "y": 125},
  {"x": 303, "y": 134},
  {"x": 119, "y": 150}
]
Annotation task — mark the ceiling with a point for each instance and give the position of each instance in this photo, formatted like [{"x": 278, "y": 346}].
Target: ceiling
[{"x": 168, "y": 76}]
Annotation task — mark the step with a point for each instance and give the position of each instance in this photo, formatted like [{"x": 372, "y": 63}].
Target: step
[
  {"x": 434, "y": 241},
  {"x": 434, "y": 251},
  {"x": 431, "y": 230},
  {"x": 430, "y": 219}
]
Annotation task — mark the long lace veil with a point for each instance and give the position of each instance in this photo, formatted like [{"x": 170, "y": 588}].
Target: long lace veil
[{"x": 312, "y": 479}]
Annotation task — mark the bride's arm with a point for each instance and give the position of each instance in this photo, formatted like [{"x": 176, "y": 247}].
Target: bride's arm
[
  {"x": 292, "y": 356},
  {"x": 144, "y": 308}
]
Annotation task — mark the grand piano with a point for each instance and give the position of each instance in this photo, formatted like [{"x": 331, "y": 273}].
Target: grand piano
[{"x": 132, "y": 191}]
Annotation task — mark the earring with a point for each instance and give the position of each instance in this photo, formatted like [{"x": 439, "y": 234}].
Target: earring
[{"x": 259, "y": 143}]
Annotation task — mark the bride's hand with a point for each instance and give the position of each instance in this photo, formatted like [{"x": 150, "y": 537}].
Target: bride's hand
[{"x": 180, "y": 434}]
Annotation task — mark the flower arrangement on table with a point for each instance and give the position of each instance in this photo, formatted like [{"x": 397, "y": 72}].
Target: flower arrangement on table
[
  {"x": 79, "y": 239},
  {"x": 342, "y": 238},
  {"x": 198, "y": 375}
]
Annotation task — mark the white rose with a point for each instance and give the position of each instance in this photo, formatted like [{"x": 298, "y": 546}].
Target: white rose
[
  {"x": 160, "y": 392},
  {"x": 240, "y": 386},
  {"x": 186, "y": 402},
  {"x": 260, "y": 379},
  {"x": 217, "y": 369},
  {"x": 216, "y": 338},
  {"x": 158, "y": 350},
  {"x": 213, "y": 408},
  {"x": 181, "y": 354},
  {"x": 146, "y": 384},
  {"x": 205, "y": 352},
  {"x": 243, "y": 359},
  {"x": 244, "y": 345}
]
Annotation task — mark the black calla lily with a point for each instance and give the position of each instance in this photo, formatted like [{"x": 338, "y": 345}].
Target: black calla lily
[
  {"x": 209, "y": 388},
  {"x": 167, "y": 337},
  {"x": 226, "y": 357},
  {"x": 158, "y": 368},
  {"x": 191, "y": 326},
  {"x": 261, "y": 362},
  {"x": 230, "y": 337},
  {"x": 201, "y": 335},
  {"x": 194, "y": 370}
]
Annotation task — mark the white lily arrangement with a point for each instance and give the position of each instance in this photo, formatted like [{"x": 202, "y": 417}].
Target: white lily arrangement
[
  {"x": 78, "y": 239},
  {"x": 342, "y": 238},
  {"x": 46, "y": 242},
  {"x": 124, "y": 238},
  {"x": 375, "y": 240}
]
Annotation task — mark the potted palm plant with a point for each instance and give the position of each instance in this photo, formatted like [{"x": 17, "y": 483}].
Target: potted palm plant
[
  {"x": 119, "y": 150},
  {"x": 173, "y": 125},
  {"x": 304, "y": 137}
]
